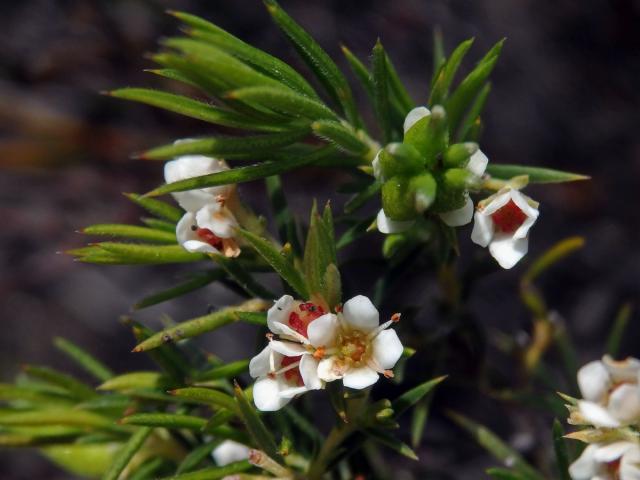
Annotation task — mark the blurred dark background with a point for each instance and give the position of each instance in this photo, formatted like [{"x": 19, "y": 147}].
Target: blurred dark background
[{"x": 565, "y": 95}]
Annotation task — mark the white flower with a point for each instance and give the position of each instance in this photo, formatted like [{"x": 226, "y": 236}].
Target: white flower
[
  {"x": 356, "y": 348},
  {"x": 612, "y": 461},
  {"x": 228, "y": 452},
  {"x": 386, "y": 225},
  {"x": 190, "y": 166},
  {"x": 461, "y": 216},
  {"x": 209, "y": 230},
  {"x": 502, "y": 222},
  {"x": 610, "y": 391}
]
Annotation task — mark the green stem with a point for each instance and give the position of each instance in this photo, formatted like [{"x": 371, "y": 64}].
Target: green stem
[{"x": 338, "y": 434}]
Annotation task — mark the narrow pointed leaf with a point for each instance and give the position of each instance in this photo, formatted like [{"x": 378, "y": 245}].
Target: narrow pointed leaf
[
  {"x": 318, "y": 60},
  {"x": 397, "y": 88},
  {"x": 214, "y": 473},
  {"x": 133, "y": 232},
  {"x": 504, "y": 474},
  {"x": 257, "y": 429},
  {"x": 165, "y": 420},
  {"x": 381, "y": 90},
  {"x": 126, "y": 453},
  {"x": 362, "y": 197},
  {"x": 560, "y": 447},
  {"x": 206, "y": 396},
  {"x": 616, "y": 334},
  {"x": 74, "y": 387},
  {"x": 133, "y": 380},
  {"x": 158, "y": 224},
  {"x": 71, "y": 417},
  {"x": 225, "y": 146},
  {"x": 197, "y": 281},
  {"x": 340, "y": 135},
  {"x": 274, "y": 257},
  {"x": 228, "y": 370},
  {"x": 535, "y": 174},
  {"x": 130, "y": 253},
  {"x": 411, "y": 397},
  {"x": 284, "y": 220},
  {"x": 388, "y": 440},
  {"x": 84, "y": 359},
  {"x": 443, "y": 81},
  {"x": 243, "y": 174},
  {"x": 198, "y": 326},
  {"x": 195, "y": 457},
  {"x": 148, "y": 470},
  {"x": 473, "y": 115},
  {"x": 242, "y": 277},
  {"x": 359, "y": 69},
  {"x": 156, "y": 207}
]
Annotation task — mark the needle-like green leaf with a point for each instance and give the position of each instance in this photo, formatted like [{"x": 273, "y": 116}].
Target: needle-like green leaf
[
  {"x": 214, "y": 473},
  {"x": 535, "y": 174},
  {"x": 87, "y": 361},
  {"x": 197, "y": 280},
  {"x": 133, "y": 232},
  {"x": 126, "y": 453},
  {"x": 413, "y": 396}
]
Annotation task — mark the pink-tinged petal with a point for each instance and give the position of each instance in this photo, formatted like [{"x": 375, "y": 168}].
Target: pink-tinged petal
[
  {"x": 386, "y": 225},
  {"x": 460, "y": 216},
  {"x": 507, "y": 250},
  {"x": 266, "y": 395},
  {"x": 414, "y": 116},
  {"x": 594, "y": 381},
  {"x": 497, "y": 202},
  {"x": 280, "y": 311},
  {"x": 360, "y": 314},
  {"x": 624, "y": 403},
  {"x": 478, "y": 163},
  {"x": 288, "y": 349},
  {"x": 597, "y": 415},
  {"x": 359, "y": 378},
  {"x": 387, "y": 349},
  {"x": 309, "y": 372},
  {"x": 626, "y": 370},
  {"x": 228, "y": 452},
  {"x": 330, "y": 369},
  {"x": 218, "y": 219},
  {"x": 611, "y": 451},
  {"x": 585, "y": 467},
  {"x": 260, "y": 365},
  {"x": 483, "y": 229},
  {"x": 322, "y": 331},
  {"x": 630, "y": 464}
]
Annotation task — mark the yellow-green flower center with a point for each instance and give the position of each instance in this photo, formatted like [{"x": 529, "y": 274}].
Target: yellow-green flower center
[{"x": 354, "y": 348}]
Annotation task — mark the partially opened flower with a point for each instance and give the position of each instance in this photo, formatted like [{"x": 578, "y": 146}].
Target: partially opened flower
[
  {"x": 610, "y": 391},
  {"x": 228, "y": 452},
  {"x": 476, "y": 165},
  {"x": 190, "y": 166},
  {"x": 209, "y": 230},
  {"x": 356, "y": 348},
  {"x": 612, "y": 461},
  {"x": 502, "y": 223}
]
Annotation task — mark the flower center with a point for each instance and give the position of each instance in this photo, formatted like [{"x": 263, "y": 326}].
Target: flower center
[
  {"x": 508, "y": 219},
  {"x": 613, "y": 468},
  {"x": 292, "y": 375},
  {"x": 354, "y": 347},
  {"x": 209, "y": 237},
  {"x": 303, "y": 315}
]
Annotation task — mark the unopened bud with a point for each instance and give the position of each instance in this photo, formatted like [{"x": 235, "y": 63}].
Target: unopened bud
[{"x": 459, "y": 153}]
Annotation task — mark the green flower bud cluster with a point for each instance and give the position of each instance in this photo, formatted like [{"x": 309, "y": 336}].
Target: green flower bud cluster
[{"x": 424, "y": 172}]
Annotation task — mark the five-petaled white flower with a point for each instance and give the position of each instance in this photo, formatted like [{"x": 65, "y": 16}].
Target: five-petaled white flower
[
  {"x": 612, "y": 461},
  {"x": 502, "y": 222},
  {"x": 610, "y": 391},
  {"x": 228, "y": 452},
  {"x": 208, "y": 226}
]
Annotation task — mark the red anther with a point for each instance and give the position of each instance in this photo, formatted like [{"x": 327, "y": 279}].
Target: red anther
[
  {"x": 613, "y": 467},
  {"x": 209, "y": 237},
  {"x": 294, "y": 373},
  {"x": 388, "y": 373},
  {"x": 338, "y": 308},
  {"x": 319, "y": 353},
  {"x": 395, "y": 318},
  {"x": 508, "y": 219}
]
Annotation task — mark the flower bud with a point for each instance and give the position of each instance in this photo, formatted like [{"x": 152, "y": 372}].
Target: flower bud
[
  {"x": 429, "y": 135},
  {"x": 397, "y": 199},
  {"x": 424, "y": 190},
  {"x": 399, "y": 159},
  {"x": 459, "y": 153},
  {"x": 452, "y": 186}
]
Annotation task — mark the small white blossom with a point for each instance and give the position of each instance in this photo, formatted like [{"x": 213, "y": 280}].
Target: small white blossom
[
  {"x": 610, "y": 392},
  {"x": 190, "y": 166},
  {"x": 502, "y": 223},
  {"x": 209, "y": 230},
  {"x": 228, "y": 452},
  {"x": 612, "y": 461},
  {"x": 461, "y": 216},
  {"x": 386, "y": 225}
]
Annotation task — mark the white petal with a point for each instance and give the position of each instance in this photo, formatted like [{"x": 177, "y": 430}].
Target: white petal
[
  {"x": 624, "y": 403},
  {"x": 198, "y": 246},
  {"x": 387, "y": 348},
  {"x": 460, "y": 216},
  {"x": 630, "y": 464},
  {"x": 414, "y": 116},
  {"x": 219, "y": 220},
  {"x": 611, "y": 451},
  {"x": 228, "y": 452},
  {"x": 360, "y": 314},
  {"x": 507, "y": 250},
  {"x": 626, "y": 370},
  {"x": 531, "y": 213},
  {"x": 483, "y": 229},
  {"x": 288, "y": 349},
  {"x": 386, "y": 225},
  {"x": 329, "y": 369},
  {"x": 359, "y": 378},
  {"x": 585, "y": 467},
  {"x": 183, "y": 228},
  {"x": 260, "y": 365},
  {"x": 478, "y": 163},
  {"x": 594, "y": 381},
  {"x": 377, "y": 171},
  {"x": 309, "y": 372},
  {"x": 293, "y": 391},
  {"x": 323, "y": 330},
  {"x": 280, "y": 311},
  {"x": 266, "y": 395},
  {"x": 597, "y": 415},
  {"x": 497, "y": 202}
]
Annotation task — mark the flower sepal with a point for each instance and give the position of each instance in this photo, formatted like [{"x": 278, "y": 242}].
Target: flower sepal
[{"x": 458, "y": 154}]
